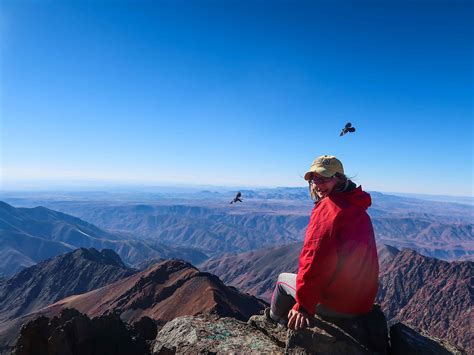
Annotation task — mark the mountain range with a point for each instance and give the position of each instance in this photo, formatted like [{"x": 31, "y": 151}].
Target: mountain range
[
  {"x": 30, "y": 235},
  {"x": 162, "y": 292},
  {"x": 267, "y": 217}
]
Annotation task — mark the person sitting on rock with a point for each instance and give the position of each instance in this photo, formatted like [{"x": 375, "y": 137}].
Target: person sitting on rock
[{"x": 338, "y": 265}]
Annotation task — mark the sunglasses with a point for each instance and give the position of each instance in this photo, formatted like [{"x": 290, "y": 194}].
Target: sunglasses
[{"x": 320, "y": 180}]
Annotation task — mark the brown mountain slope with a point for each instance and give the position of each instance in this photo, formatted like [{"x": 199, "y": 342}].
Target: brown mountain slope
[
  {"x": 51, "y": 280},
  {"x": 429, "y": 293},
  {"x": 255, "y": 271},
  {"x": 162, "y": 292}
]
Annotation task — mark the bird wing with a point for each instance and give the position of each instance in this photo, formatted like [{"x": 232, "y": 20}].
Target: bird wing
[
  {"x": 352, "y": 129},
  {"x": 348, "y": 124}
]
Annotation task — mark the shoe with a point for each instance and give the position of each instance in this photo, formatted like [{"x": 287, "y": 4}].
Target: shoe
[
  {"x": 267, "y": 318},
  {"x": 276, "y": 330},
  {"x": 274, "y": 318}
]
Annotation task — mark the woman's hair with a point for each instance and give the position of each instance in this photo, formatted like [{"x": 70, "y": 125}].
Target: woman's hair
[
  {"x": 312, "y": 192},
  {"x": 341, "y": 184}
]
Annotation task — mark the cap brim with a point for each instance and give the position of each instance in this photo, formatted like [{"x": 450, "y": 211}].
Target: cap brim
[{"x": 318, "y": 170}]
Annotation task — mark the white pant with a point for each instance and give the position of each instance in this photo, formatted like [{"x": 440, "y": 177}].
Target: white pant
[{"x": 284, "y": 298}]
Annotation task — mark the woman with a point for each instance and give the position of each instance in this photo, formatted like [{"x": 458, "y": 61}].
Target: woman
[{"x": 338, "y": 265}]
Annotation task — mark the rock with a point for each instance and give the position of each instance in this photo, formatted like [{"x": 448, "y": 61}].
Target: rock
[
  {"x": 74, "y": 333},
  {"x": 368, "y": 331},
  {"x": 208, "y": 334},
  {"x": 324, "y": 338},
  {"x": 276, "y": 332},
  {"x": 145, "y": 328},
  {"x": 205, "y": 334},
  {"x": 361, "y": 335},
  {"x": 405, "y": 340},
  {"x": 34, "y": 338}
]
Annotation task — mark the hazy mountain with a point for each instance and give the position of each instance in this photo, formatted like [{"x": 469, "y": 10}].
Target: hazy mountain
[
  {"x": 30, "y": 235},
  {"x": 266, "y": 218},
  {"x": 214, "y": 229},
  {"x": 18, "y": 251},
  {"x": 51, "y": 225},
  {"x": 449, "y": 241},
  {"x": 49, "y": 281},
  {"x": 425, "y": 292},
  {"x": 465, "y": 200}
]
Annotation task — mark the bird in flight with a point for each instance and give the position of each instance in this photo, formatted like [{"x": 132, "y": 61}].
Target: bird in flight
[
  {"x": 237, "y": 198},
  {"x": 347, "y": 128}
]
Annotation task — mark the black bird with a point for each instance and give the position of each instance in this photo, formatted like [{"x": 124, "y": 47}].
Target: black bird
[
  {"x": 237, "y": 198},
  {"x": 347, "y": 128}
]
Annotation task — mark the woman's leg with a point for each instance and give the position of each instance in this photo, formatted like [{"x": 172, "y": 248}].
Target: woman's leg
[{"x": 283, "y": 298}]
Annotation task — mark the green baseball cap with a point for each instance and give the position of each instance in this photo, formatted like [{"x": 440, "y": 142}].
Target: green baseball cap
[{"x": 325, "y": 165}]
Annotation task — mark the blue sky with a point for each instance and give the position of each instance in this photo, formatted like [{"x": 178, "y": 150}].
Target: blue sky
[{"x": 237, "y": 93}]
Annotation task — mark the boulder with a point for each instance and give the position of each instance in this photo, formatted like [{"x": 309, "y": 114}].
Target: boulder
[
  {"x": 405, "y": 340},
  {"x": 146, "y": 328},
  {"x": 34, "y": 338},
  {"x": 74, "y": 333},
  {"x": 208, "y": 334},
  {"x": 362, "y": 335}
]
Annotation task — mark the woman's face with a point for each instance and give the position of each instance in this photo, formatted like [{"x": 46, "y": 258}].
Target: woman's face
[{"x": 323, "y": 185}]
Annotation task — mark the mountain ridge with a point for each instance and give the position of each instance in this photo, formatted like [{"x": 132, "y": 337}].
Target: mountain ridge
[
  {"x": 28, "y": 236},
  {"x": 76, "y": 272}
]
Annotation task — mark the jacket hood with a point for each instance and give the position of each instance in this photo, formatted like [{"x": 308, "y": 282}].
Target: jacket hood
[{"x": 356, "y": 197}]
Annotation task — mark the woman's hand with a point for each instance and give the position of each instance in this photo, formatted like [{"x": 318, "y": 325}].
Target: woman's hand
[{"x": 297, "y": 320}]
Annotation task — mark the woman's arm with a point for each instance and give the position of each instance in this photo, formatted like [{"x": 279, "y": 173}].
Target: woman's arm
[{"x": 317, "y": 263}]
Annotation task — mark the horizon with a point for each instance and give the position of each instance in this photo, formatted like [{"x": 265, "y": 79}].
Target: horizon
[
  {"x": 107, "y": 187},
  {"x": 238, "y": 93}
]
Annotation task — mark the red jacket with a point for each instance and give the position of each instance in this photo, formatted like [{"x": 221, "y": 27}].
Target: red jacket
[{"x": 338, "y": 266}]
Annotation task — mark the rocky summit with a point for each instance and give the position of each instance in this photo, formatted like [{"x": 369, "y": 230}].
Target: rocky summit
[{"x": 74, "y": 333}]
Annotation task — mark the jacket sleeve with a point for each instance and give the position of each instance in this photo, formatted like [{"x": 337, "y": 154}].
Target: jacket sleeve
[{"x": 317, "y": 263}]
